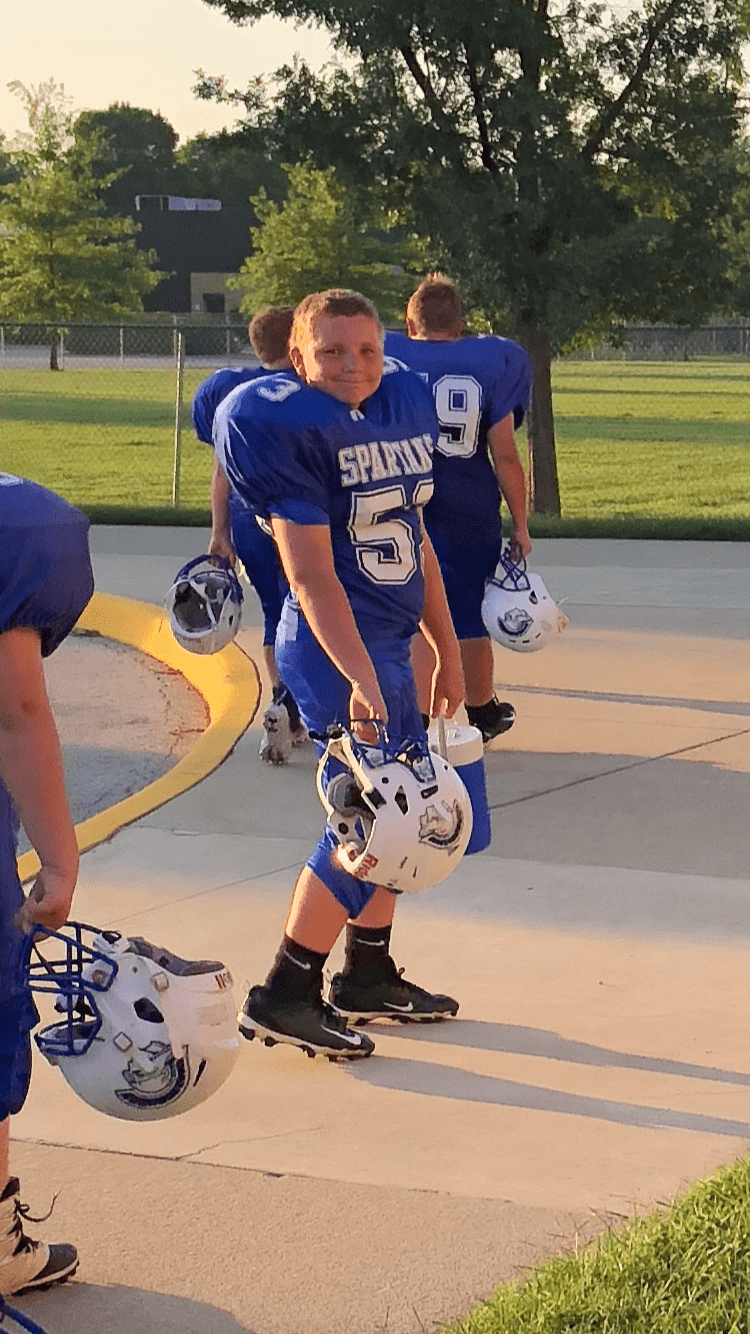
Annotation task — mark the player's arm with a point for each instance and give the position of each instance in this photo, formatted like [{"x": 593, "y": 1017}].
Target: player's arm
[
  {"x": 511, "y": 479},
  {"x": 31, "y": 768},
  {"x": 221, "y": 533},
  {"x": 448, "y": 688},
  {"x": 307, "y": 556}
]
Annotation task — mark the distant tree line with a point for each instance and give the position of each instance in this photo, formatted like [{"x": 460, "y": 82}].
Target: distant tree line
[
  {"x": 67, "y": 201},
  {"x": 138, "y": 150},
  {"x": 67, "y": 212}
]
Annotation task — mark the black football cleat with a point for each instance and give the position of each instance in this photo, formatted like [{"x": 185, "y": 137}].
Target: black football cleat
[
  {"x": 310, "y": 1024},
  {"x": 390, "y": 997}
]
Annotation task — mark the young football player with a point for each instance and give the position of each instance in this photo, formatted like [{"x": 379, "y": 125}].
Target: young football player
[
  {"x": 481, "y": 387},
  {"x": 45, "y": 583},
  {"x": 235, "y": 532},
  {"x": 339, "y": 459}
]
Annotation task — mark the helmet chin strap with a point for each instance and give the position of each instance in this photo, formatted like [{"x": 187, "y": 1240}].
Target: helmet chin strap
[{"x": 442, "y": 743}]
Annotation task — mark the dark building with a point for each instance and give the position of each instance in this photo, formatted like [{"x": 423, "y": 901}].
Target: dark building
[{"x": 195, "y": 239}]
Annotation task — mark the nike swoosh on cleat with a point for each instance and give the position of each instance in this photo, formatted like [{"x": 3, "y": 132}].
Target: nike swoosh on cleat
[
  {"x": 405, "y": 1009},
  {"x": 354, "y": 1039},
  {"x": 291, "y": 958}
]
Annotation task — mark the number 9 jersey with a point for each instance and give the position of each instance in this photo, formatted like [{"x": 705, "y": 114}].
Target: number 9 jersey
[
  {"x": 293, "y": 451},
  {"x": 476, "y": 382}
]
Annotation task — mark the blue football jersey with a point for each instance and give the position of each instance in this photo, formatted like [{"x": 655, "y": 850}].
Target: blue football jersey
[
  {"x": 45, "y": 583},
  {"x": 293, "y": 451},
  {"x": 476, "y": 382},
  {"x": 45, "y": 566},
  {"x": 210, "y": 393}
]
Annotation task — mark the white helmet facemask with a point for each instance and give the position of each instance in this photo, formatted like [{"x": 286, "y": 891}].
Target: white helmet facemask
[
  {"x": 144, "y": 1034},
  {"x": 205, "y": 605},
  {"x": 400, "y": 813},
  {"x": 517, "y": 610}
]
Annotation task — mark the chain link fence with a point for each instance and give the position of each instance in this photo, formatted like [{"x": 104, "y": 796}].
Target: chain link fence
[
  {"x": 123, "y": 346},
  {"x": 110, "y": 428},
  {"x": 657, "y": 342},
  {"x": 101, "y": 412}
]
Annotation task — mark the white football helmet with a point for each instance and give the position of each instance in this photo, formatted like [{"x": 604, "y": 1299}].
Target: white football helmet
[
  {"x": 205, "y": 605},
  {"x": 401, "y": 814},
  {"x": 517, "y": 610},
  {"x": 144, "y": 1034}
]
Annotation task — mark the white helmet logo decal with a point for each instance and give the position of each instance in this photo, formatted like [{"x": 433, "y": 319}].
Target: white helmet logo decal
[
  {"x": 516, "y": 621},
  {"x": 163, "y": 1084},
  {"x": 442, "y": 828}
]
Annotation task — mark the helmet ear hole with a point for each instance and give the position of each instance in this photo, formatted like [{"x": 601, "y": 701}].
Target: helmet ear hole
[
  {"x": 345, "y": 795},
  {"x": 146, "y": 1010},
  {"x": 402, "y": 801}
]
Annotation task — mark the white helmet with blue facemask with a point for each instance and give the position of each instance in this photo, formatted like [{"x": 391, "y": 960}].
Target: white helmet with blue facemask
[
  {"x": 205, "y": 605},
  {"x": 400, "y": 813},
  {"x": 517, "y": 610},
  {"x": 140, "y": 1034}
]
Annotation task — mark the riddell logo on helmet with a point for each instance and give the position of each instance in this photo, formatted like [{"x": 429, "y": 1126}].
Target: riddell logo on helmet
[{"x": 368, "y": 864}]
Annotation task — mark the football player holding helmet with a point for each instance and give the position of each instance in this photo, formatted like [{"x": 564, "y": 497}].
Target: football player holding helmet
[
  {"x": 401, "y": 814},
  {"x": 205, "y": 605},
  {"x": 517, "y": 610},
  {"x": 143, "y": 1034}
]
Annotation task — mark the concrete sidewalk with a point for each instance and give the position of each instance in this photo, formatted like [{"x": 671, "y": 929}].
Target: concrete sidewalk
[{"x": 599, "y": 950}]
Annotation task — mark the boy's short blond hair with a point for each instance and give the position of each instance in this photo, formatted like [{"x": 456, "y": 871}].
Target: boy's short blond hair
[{"x": 334, "y": 301}]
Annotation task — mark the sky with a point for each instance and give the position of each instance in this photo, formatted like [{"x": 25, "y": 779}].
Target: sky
[{"x": 143, "y": 52}]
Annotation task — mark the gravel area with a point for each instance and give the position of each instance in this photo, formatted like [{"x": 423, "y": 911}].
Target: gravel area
[{"x": 123, "y": 718}]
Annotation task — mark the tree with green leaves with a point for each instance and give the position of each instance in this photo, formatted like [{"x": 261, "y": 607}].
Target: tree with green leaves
[
  {"x": 228, "y": 167},
  {"x": 61, "y": 257},
  {"x": 318, "y": 238},
  {"x": 140, "y": 156},
  {"x": 572, "y": 163},
  {"x": 137, "y": 152}
]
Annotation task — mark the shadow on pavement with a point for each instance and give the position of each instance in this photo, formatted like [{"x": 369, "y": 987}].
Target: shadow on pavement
[
  {"x": 517, "y": 1040},
  {"x": 84, "y": 1308},
  {"x": 444, "y": 1081}
]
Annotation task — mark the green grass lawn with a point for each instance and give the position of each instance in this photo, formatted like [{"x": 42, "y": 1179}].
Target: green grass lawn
[
  {"x": 683, "y": 1270},
  {"x": 661, "y": 441},
  {"x": 104, "y": 439},
  {"x": 643, "y": 448}
]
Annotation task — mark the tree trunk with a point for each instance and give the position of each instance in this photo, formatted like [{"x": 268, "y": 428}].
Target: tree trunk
[
  {"x": 54, "y": 364},
  {"x": 544, "y": 487}
]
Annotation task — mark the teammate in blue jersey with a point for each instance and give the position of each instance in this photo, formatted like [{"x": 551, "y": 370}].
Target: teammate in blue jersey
[
  {"x": 235, "y": 531},
  {"x": 481, "y": 387},
  {"x": 339, "y": 460},
  {"x": 45, "y": 583}
]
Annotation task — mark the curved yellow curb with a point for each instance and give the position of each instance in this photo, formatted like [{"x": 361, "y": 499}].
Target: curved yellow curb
[{"x": 228, "y": 681}]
